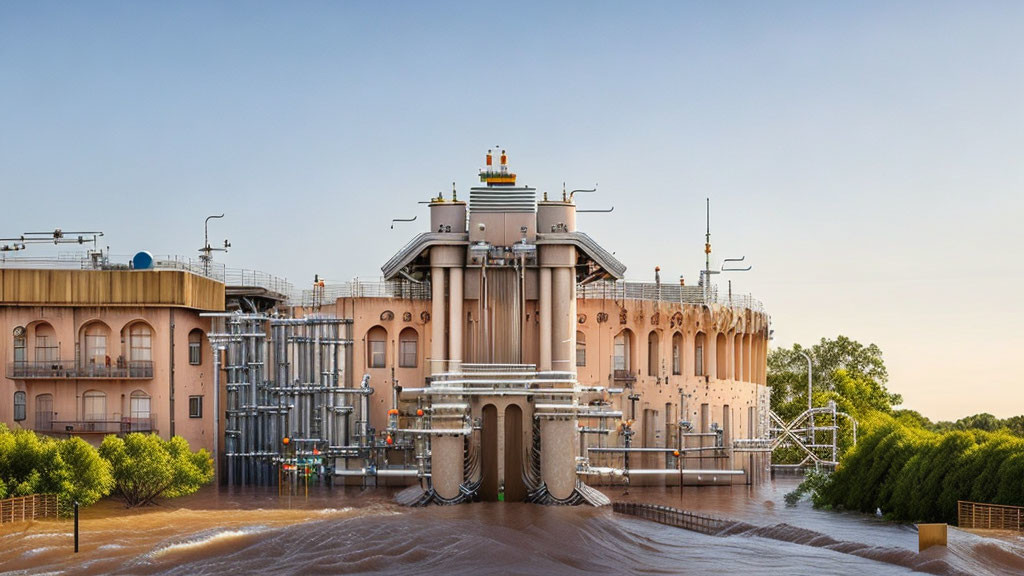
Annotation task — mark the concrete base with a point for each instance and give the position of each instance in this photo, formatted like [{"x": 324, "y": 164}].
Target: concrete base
[
  {"x": 558, "y": 456},
  {"x": 446, "y": 465}
]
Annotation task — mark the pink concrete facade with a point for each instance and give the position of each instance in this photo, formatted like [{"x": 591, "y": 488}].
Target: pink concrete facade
[{"x": 99, "y": 370}]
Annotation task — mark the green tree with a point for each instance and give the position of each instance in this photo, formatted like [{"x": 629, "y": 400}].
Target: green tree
[
  {"x": 33, "y": 464},
  {"x": 851, "y": 370},
  {"x": 146, "y": 468}
]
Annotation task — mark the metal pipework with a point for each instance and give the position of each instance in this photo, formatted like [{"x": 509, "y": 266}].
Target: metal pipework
[{"x": 605, "y": 471}]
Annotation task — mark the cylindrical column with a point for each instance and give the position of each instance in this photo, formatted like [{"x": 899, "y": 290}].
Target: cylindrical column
[
  {"x": 455, "y": 317},
  {"x": 561, "y": 324},
  {"x": 437, "y": 319},
  {"x": 545, "y": 319},
  {"x": 571, "y": 345}
]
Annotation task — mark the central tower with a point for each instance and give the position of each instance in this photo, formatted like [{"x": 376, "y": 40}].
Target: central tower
[{"x": 503, "y": 395}]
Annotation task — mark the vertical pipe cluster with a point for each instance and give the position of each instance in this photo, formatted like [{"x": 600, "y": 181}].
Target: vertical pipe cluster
[{"x": 286, "y": 378}]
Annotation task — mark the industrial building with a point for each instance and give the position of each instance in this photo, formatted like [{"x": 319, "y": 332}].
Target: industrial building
[{"x": 502, "y": 355}]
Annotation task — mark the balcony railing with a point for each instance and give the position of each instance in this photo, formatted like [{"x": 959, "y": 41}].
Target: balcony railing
[
  {"x": 68, "y": 370},
  {"x": 627, "y": 376},
  {"x": 122, "y": 426}
]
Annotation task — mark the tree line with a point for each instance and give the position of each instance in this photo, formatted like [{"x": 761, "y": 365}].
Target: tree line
[
  {"x": 138, "y": 468},
  {"x": 911, "y": 468}
]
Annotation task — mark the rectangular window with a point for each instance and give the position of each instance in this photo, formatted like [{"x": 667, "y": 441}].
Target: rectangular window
[
  {"x": 378, "y": 353},
  {"x": 95, "y": 406},
  {"x": 19, "y": 349},
  {"x": 46, "y": 349},
  {"x": 19, "y": 406},
  {"x": 581, "y": 354},
  {"x": 139, "y": 407},
  {"x": 95, "y": 348},
  {"x": 407, "y": 354},
  {"x": 619, "y": 360},
  {"x": 677, "y": 367},
  {"x": 698, "y": 360},
  {"x": 141, "y": 346},
  {"x": 195, "y": 353},
  {"x": 195, "y": 406}
]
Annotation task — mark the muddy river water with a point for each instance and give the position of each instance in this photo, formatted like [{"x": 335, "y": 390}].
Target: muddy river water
[{"x": 348, "y": 530}]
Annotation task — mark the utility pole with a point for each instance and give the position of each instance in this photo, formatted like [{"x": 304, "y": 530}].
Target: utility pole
[{"x": 207, "y": 251}]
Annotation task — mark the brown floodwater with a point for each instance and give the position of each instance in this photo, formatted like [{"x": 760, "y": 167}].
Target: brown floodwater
[{"x": 351, "y": 531}]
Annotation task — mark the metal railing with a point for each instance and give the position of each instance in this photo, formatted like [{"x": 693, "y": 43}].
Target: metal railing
[
  {"x": 989, "y": 516},
  {"x": 364, "y": 288},
  {"x": 122, "y": 426},
  {"x": 623, "y": 376},
  {"x": 31, "y": 507},
  {"x": 68, "y": 370},
  {"x": 378, "y": 287},
  {"x": 213, "y": 270},
  {"x": 673, "y": 517},
  {"x": 653, "y": 291}
]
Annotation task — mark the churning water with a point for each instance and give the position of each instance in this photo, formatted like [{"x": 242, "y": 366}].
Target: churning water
[{"x": 350, "y": 531}]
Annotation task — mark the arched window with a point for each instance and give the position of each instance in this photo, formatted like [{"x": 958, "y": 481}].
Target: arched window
[
  {"x": 698, "y": 354},
  {"x": 46, "y": 343},
  {"x": 19, "y": 345},
  {"x": 677, "y": 354},
  {"x": 19, "y": 406},
  {"x": 140, "y": 343},
  {"x": 622, "y": 350},
  {"x": 652, "y": 353},
  {"x": 139, "y": 410},
  {"x": 376, "y": 347},
  {"x": 408, "y": 348},
  {"x": 581, "y": 349},
  {"x": 96, "y": 344},
  {"x": 44, "y": 411},
  {"x": 195, "y": 347},
  {"x": 94, "y": 405},
  {"x": 722, "y": 355}
]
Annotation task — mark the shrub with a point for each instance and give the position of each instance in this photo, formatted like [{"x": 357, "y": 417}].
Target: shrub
[{"x": 146, "y": 468}]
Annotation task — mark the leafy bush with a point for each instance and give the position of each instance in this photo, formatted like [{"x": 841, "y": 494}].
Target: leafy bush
[
  {"x": 33, "y": 464},
  {"x": 914, "y": 474},
  {"x": 146, "y": 467}
]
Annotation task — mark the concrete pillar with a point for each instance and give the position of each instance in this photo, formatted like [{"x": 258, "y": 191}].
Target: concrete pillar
[
  {"x": 544, "y": 356},
  {"x": 561, "y": 323},
  {"x": 727, "y": 426},
  {"x": 558, "y": 439},
  {"x": 437, "y": 356},
  {"x": 446, "y": 454},
  {"x": 455, "y": 317},
  {"x": 572, "y": 322}
]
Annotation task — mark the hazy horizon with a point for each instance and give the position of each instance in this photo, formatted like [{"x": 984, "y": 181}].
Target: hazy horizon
[{"x": 865, "y": 158}]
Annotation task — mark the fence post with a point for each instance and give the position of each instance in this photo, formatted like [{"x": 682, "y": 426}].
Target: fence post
[{"x": 76, "y": 527}]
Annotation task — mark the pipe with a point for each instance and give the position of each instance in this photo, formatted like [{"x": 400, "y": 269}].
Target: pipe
[
  {"x": 436, "y": 431},
  {"x": 544, "y": 363},
  {"x": 596, "y": 471}
]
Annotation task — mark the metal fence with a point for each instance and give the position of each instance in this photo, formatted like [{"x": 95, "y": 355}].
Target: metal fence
[
  {"x": 363, "y": 288},
  {"x": 378, "y": 287},
  {"x": 60, "y": 369},
  {"x": 989, "y": 516},
  {"x": 673, "y": 517},
  {"x": 214, "y": 270},
  {"x": 31, "y": 507},
  {"x": 658, "y": 292},
  {"x": 116, "y": 426}
]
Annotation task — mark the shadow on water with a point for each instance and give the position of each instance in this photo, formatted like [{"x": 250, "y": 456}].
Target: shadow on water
[{"x": 343, "y": 531}]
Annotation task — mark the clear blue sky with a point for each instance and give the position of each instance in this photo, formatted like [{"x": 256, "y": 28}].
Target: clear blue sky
[{"x": 865, "y": 157}]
